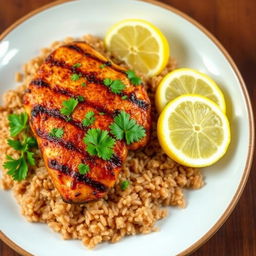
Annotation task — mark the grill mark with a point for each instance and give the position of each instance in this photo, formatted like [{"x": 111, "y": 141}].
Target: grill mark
[
  {"x": 93, "y": 57},
  {"x": 54, "y": 164},
  {"x": 92, "y": 78},
  {"x": 39, "y": 82},
  {"x": 115, "y": 160},
  {"x": 66, "y": 144},
  {"x": 140, "y": 103},
  {"x": 38, "y": 109},
  {"x": 85, "y": 102}
]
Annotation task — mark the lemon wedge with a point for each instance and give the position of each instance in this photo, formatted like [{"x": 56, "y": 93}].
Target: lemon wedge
[
  {"x": 193, "y": 131},
  {"x": 140, "y": 44},
  {"x": 187, "y": 81}
]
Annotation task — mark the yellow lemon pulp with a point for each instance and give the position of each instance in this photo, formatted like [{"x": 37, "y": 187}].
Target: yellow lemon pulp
[
  {"x": 140, "y": 44},
  {"x": 188, "y": 81},
  {"x": 193, "y": 131}
]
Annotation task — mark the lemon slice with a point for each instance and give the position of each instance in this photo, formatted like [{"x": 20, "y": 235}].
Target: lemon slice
[
  {"x": 140, "y": 44},
  {"x": 193, "y": 131},
  {"x": 187, "y": 81}
]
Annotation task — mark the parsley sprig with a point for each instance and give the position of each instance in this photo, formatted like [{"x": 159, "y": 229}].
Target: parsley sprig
[
  {"x": 77, "y": 65},
  {"x": 133, "y": 78},
  {"x": 68, "y": 106},
  {"x": 126, "y": 128},
  {"x": 57, "y": 133},
  {"x": 17, "y": 123},
  {"x": 75, "y": 77},
  {"x": 116, "y": 86},
  {"x": 80, "y": 98},
  {"x": 83, "y": 168},
  {"x": 89, "y": 119},
  {"x": 99, "y": 143},
  {"x": 124, "y": 184},
  {"x": 18, "y": 168}
]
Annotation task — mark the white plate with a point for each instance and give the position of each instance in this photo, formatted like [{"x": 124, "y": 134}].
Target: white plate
[{"x": 192, "y": 46}]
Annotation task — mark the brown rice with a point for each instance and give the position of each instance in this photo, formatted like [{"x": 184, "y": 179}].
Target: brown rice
[{"x": 155, "y": 179}]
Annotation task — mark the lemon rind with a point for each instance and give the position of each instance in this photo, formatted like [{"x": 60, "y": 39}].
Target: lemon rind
[
  {"x": 177, "y": 155},
  {"x": 164, "y": 48},
  {"x": 160, "y": 93}
]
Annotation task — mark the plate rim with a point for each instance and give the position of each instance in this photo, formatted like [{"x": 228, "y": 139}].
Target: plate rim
[{"x": 251, "y": 145}]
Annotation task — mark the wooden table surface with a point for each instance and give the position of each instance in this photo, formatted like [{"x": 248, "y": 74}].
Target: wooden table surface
[{"x": 233, "y": 22}]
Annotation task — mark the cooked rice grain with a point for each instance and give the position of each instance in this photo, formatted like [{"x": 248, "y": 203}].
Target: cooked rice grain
[{"x": 155, "y": 179}]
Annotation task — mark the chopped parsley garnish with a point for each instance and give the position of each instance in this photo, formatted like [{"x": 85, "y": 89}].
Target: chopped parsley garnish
[
  {"x": 68, "y": 106},
  {"x": 89, "y": 119},
  {"x": 125, "y": 97},
  {"x": 80, "y": 98},
  {"x": 77, "y": 65},
  {"x": 18, "y": 168},
  {"x": 101, "y": 113},
  {"x": 107, "y": 81},
  {"x": 83, "y": 168},
  {"x": 83, "y": 84},
  {"x": 17, "y": 122},
  {"x": 75, "y": 77},
  {"x": 99, "y": 143},
  {"x": 103, "y": 66},
  {"x": 126, "y": 128},
  {"x": 133, "y": 78},
  {"x": 57, "y": 133},
  {"x": 124, "y": 184},
  {"x": 116, "y": 86}
]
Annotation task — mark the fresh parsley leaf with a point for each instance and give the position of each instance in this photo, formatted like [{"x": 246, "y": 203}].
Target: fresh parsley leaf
[
  {"x": 126, "y": 128},
  {"x": 31, "y": 142},
  {"x": 28, "y": 143},
  {"x": 99, "y": 143},
  {"x": 125, "y": 97},
  {"x": 75, "y": 77},
  {"x": 80, "y": 98},
  {"x": 30, "y": 158},
  {"x": 57, "y": 133},
  {"x": 133, "y": 78},
  {"x": 77, "y": 65},
  {"x": 17, "y": 123},
  {"x": 89, "y": 119},
  {"x": 103, "y": 66},
  {"x": 117, "y": 86},
  {"x": 18, "y": 168},
  {"x": 83, "y": 168},
  {"x": 124, "y": 184},
  {"x": 107, "y": 81},
  {"x": 136, "y": 80},
  {"x": 68, "y": 106},
  {"x": 83, "y": 84},
  {"x": 11, "y": 163},
  {"x": 16, "y": 144}
]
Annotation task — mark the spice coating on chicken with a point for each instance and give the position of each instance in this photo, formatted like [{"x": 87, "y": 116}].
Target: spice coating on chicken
[{"x": 72, "y": 71}]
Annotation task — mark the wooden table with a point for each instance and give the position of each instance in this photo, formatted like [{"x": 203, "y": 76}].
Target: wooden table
[{"x": 233, "y": 22}]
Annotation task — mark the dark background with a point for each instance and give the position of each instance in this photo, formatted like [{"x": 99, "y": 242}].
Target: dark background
[{"x": 233, "y": 22}]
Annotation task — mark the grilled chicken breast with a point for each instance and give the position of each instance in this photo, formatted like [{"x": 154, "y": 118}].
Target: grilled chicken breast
[{"x": 51, "y": 86}]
